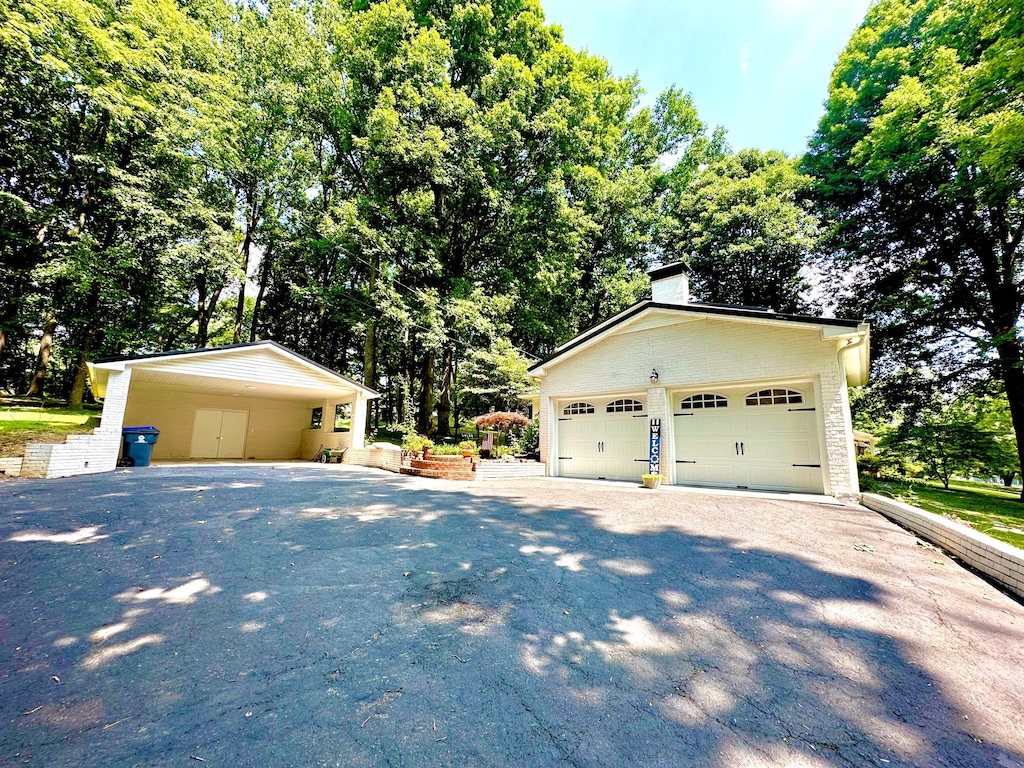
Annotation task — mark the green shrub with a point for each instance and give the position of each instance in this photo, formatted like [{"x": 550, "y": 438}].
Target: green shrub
[
  {"x": 446, "y": 449},
  {"x": 530, "y": 442},
  {"x": 414, "y": 442}
]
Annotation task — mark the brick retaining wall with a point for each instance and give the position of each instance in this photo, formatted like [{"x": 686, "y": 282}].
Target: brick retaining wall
[
  {"x": 380, "y": 458},
  {"x": 11, "y": 467},
  {"x": 1002, "y": 562},
  {"x": 507, "y": 470}
]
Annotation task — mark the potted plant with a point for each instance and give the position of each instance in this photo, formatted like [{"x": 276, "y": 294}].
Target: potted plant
[
  {"x": 468, "y": 448},
  {"x": 651, "y": 480}
]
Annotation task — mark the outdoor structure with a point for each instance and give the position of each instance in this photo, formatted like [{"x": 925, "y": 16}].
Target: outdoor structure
[
  {"x": 734, "y": 397},
  {"x": 245, "y": 401}
]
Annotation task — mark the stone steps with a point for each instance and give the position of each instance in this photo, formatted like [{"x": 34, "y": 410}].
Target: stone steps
[{"x": 442, "y": 468}]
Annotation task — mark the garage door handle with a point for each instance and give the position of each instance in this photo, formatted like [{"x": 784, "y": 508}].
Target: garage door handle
[
  {"x": 743, "y": 451},
  {"x": 737, "y": 449}
]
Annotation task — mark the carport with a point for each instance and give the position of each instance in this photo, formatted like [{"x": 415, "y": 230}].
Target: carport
[{"x": 245, "y": 401}]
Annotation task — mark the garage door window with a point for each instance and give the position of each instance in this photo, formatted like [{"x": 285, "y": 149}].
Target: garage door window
[
  {"x": 703, "y": 400},
  {"x": 577, "y": 409},
  {"x": 625, "y": 406},
  {"x": 774, "y": 397}
]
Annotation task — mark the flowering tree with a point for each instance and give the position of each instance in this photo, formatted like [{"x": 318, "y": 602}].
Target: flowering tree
[{"x": 501, "y": 421}]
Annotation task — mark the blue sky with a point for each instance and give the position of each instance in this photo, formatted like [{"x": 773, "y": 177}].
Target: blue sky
[{"x": 760, "y": 68}]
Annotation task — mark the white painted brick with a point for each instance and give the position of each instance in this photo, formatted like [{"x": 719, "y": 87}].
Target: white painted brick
[
  {"x": 997, "y": 559},
  {"x": 713, "y": 351}
]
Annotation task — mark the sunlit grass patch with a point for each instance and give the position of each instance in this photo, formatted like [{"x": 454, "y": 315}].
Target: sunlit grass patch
[{"x": 987, "y": 509}]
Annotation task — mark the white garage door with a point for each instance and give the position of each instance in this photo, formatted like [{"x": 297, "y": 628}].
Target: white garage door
[
  {"x": 763, "y": 438},
  {"x": 603, "y": 438}
]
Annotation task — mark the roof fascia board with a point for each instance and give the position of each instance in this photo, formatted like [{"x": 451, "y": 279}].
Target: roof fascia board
[{"x": 117, "y": 364}]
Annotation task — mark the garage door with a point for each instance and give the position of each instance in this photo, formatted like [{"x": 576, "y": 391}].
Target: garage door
[
  {"x": 764, "y": 438},
  {"x": 602, "y": 438}
]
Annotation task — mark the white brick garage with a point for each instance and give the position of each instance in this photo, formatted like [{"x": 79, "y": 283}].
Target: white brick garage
[
  {"x": 245, "y": 401},
  {"x": 772, "y": 388}
]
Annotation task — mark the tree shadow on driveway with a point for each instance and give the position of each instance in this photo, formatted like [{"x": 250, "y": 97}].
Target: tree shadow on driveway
[{"x": 302, "y": 616}]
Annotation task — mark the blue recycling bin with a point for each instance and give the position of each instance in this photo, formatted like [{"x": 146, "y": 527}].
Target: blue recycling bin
[{"x": 137, "y": 445}]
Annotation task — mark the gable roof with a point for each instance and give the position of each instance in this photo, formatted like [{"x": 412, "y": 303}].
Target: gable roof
[
  {"x": 204, "y": 361},
  {"x": 837, "y": 328}
]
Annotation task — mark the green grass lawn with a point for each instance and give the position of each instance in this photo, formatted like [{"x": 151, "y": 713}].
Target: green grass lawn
[
  {"x": 988, "y": 509},
  {"x": 24, "y": 424}
]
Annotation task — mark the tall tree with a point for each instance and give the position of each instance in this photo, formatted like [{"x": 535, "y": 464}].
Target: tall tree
[
  {"x": 743, "y": 227},
  {"x": 918, "y": 167},
  {"x": 108, "y": 100}
]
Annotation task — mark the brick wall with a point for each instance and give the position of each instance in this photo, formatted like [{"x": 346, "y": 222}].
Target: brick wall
[
  {"x": 509, "y": 470},
  {"x": 84, "y": 454},
  {"x": 80, "y": 455},
  {"x": 10, "y": 467},
  {"x": 380, "y": 458},
  {"x": 1002, "y": 562}
]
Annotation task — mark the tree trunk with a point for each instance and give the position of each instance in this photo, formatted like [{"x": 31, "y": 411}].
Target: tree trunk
[
  {"x": 427, "y": 395},
  {"x": 81, "y": 371},
  {"x": 1008, "y": 479},
  {"x": 370, "y": 344},
  {"x": 1013, "y": 382},
  {"x": 455, "y": 400},
  {"x": 264, "y": 280},
  {"x": 250, "y": 224},
  {"x": 444, "y": 404},
  {"x": 35, "y": 389},
  {"x": 205, "y": 306}
]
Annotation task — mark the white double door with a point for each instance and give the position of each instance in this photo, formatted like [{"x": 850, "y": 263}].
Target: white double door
[
  {"x": 603, "y": 446},
  {"x": 219, "y": 434},
  {"x": 768, "y": 447}
]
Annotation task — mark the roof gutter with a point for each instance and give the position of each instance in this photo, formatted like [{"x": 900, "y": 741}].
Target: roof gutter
[{"x": 860, "y": 375}]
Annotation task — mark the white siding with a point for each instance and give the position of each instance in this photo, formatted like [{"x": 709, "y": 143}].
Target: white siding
[{"x": 266, "y": 366}]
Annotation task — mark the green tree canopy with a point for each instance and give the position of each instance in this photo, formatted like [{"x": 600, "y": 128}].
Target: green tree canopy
[
  {"x": 742, "y": 225},
  {"x": 919, "y": 170}
]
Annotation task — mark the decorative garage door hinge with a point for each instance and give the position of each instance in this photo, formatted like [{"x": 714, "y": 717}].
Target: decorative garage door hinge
[
  {"x": 808, "y": 465},
  {"x": 801, "y": 409},
  {"x": 684, "y": 461}
]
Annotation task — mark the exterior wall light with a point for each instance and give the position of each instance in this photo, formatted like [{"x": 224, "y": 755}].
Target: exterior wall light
[{"x": 654, "y": 376}]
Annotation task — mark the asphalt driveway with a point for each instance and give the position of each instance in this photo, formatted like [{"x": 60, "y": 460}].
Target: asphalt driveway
[{"x": 320, "y": 616}]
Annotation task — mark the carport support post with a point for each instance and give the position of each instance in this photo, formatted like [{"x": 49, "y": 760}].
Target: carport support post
[
  {"x": 358, "y": 421},
  {"x": 112, "y": 418},
  {"x": 657, "y": 408}
]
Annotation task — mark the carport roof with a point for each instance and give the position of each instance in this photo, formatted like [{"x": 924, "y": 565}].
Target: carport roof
[{"x": 246, "y": 362}]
